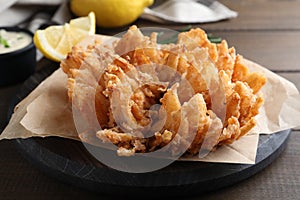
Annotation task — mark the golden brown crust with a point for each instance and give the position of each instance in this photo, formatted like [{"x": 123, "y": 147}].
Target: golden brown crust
[{"x": 188, "y": 58}]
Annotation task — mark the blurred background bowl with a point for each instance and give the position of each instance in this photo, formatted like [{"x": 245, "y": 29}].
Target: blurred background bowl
[{"x": 18, "y": 65}]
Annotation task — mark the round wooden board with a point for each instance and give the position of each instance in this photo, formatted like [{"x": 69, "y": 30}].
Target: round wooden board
[{"x": 68, "y": 161}]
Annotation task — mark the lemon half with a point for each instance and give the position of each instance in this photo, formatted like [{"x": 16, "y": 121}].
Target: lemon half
[
  {"x": 111, "y": 13},
  {"x": 55, "y": 42}
]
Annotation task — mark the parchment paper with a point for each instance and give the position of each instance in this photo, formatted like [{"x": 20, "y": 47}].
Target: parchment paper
[{"x": 47, "y": 112}]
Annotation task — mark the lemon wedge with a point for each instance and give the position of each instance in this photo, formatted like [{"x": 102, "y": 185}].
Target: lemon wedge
[{"x": 55, "y": 42}]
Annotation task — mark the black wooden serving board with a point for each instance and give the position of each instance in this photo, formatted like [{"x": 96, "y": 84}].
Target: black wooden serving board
[{"x": 68, "y": 161}]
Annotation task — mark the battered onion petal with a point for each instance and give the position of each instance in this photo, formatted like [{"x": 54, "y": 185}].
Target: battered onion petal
[
  {"x": 191, "y": 115},
  {"x": 171, "y": 104},
  {"x": 195, "y": 38},
  {"x": 121, "y": 97}
]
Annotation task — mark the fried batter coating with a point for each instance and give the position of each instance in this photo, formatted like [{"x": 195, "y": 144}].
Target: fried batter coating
[
  {"x": 197, "y": 37},
  {"x": 241, "y": 72},
  {"x": 139, "y": 106}
]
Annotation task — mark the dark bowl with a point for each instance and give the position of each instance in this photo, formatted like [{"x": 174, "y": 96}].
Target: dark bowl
[{"x": 16, "y": 66}]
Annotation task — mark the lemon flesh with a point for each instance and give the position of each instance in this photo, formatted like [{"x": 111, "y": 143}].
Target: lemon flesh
[
  {"x": 55, "y": 42},
  {"x": 111, "y": 13}
]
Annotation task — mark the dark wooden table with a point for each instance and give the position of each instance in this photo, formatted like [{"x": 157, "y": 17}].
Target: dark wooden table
[{"x": 267, "y": 32}]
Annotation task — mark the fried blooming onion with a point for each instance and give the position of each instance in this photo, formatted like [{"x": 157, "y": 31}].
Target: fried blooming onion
[{"x": 144, "y": 93}]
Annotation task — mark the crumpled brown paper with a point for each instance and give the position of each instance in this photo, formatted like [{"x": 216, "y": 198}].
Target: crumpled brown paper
[
  {"x": 37, "y": 114},
  {"x": 47, "y": 112}
]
